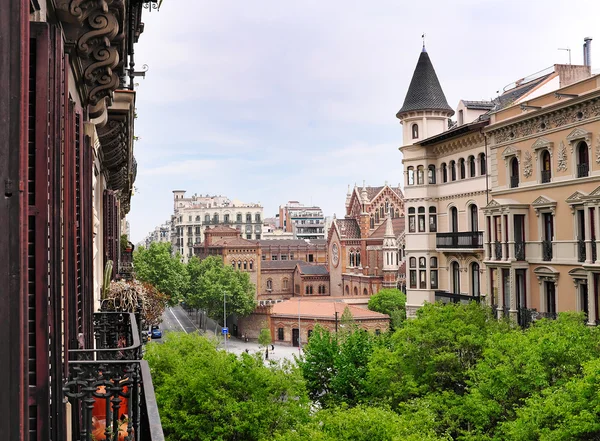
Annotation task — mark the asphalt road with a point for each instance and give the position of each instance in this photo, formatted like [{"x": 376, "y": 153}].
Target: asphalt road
[{"x": 176, "y": 319}]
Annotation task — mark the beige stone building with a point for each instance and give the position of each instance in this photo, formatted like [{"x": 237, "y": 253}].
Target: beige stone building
[
  {"x": 192, "y": 215},
  {"x": 543, "y": 219}
]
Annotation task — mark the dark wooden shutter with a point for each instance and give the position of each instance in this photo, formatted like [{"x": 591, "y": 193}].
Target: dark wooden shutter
[{"x": 111, "y": 233}]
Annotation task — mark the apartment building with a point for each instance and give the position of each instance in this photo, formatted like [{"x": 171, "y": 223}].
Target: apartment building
[
  {"x": 304, "y": 222},
  {"x": 192, "y": 215}
]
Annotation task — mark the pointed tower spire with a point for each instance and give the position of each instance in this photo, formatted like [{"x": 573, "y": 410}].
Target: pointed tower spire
[
  {"x": 389, "y": 228},
  {"x": 424, "y": 92}
]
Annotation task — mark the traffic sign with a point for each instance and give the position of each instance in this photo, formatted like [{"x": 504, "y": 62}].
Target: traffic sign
[{"x": 225, "y": 331}]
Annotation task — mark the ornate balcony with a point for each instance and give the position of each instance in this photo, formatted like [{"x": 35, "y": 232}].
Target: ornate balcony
[
  {"x": 546, "y": 176},
  {"x": 464, "y": 240},
  {"x": 110, "y": 387},
  {"x": 581, "y": 252},
  {"x": 514, "y": 181},
  {"x": 583, "y": 170},
  {"x": 546, "y": 250},
  {"x": 520, "y": 251}
]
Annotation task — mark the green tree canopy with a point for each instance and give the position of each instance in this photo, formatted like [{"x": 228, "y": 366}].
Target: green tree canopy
[
  {"x": 392, "y": 302},
  {"x": 264, "y": 337},
  {"x": 209, "y": 394},
  {"x": 156, "y": 265},
  {"x": 210, "y": 279}
]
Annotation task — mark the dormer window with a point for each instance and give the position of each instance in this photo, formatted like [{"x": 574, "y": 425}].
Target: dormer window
[{"x": 415, "y": 131}]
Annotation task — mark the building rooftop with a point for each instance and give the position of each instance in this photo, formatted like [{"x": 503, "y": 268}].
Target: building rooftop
[
  {"x": 479, "y": 105},
  {"x": 323, "y": 309},
  {"x": 425, "y": 91},
  {"x": 348, "y": 228},
  {"x": 279, "y": 264},
  {"x": 291, "y": 242},
  {"x": 312, "y": 269},
  {"x": 397, "y": 225}
]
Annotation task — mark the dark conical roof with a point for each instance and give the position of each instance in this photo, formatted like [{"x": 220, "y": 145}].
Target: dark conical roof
[{"x": 424, "y": 92}]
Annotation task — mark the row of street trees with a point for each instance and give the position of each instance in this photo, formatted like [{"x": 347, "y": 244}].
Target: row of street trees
[
  {"x": 453, "y": 373},
  {"x": 201, "y": 284}
]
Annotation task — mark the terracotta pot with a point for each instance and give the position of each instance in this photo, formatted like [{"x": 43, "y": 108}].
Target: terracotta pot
[{"x": 99, "y": 409}]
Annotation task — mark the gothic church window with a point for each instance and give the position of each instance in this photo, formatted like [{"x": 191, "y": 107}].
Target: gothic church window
[{"x": 415, "y": 131}]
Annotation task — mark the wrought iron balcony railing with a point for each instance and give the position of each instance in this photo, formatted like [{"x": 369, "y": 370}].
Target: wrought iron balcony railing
[
  {"x": 466, "y": 239},
  {"x": 547, "y": 250},
  {"x": 498, "y": 250},
  {"x": 583, "y": 170},
  {"x": 546, "y": 176},
  {"x": 514, "y": 181},
  {"x": 581, "y": 251},
  {"x": 520, "y": 250},
  {"x": 109, "y": 388}
]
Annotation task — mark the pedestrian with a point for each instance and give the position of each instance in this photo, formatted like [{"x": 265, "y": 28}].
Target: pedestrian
[
  {"x": 267, "y": 354},
  {"x": 272, "y": 347},
  {"x": 247, "y": 351}
]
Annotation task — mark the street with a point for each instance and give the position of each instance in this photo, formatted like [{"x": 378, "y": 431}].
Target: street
[{"x": 176, "y": 319}]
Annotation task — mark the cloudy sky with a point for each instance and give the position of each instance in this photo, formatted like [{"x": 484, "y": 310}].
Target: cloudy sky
[{"x": 270, "y": 101}]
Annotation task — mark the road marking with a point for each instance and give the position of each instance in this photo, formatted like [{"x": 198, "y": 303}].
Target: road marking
[{"x": 177, "y": 320}]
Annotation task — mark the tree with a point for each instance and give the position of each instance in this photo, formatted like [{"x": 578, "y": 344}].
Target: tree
[
  {"x": 156, "y": 265},
  {"x": 204, "y": 393},
  {"x": 264, "y": 339},
  {"x": 392, "y": 302},
  {"x": 210, "y": 280},
  {"x": 318, "y": 364}
]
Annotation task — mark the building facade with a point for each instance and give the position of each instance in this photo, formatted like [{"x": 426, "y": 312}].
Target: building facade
[
  {"x": 66, "y": 143},
  {"x": 363, "y": 248},
  {"x": 192, "y": 215},
  {"x": 302, "y": 221},
  {"x": 542, "y": 222},
  {"x": 311, "y": 251}
]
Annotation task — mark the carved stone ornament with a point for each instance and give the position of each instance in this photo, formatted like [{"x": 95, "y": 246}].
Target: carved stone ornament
[
  {"x": 562, "y": 158},
  {"x": 527, "y": 166},
  {"x": 95, "y": 30},
  {"x": 598, "y": 150}
]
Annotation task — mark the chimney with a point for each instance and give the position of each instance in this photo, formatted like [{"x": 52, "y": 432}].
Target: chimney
[{"x": 587, "y": 51}]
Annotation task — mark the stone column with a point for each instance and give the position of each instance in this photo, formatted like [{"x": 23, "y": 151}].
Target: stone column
[
  {"x": 511, "y": 237},
  {"x": 591, "y": 299},
  {"x": 597, "y": 230},
  {"x": 486, "y": 235}
]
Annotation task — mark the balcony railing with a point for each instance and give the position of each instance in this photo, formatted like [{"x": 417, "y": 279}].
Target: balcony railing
[
  {"x": 110, "y": 387},
  {"x": 520, "y": 250},
  {"x": 583, "y": 170},
  {"x": 467, "y": 239},
  {"x": 594, "y": 255},
  {"x": 514, "y": 181},
  {"x": 546, "y": 176},
  {"x": 498, "y": 250},
  {"x": 546, "y": 250},
  {"x": 581, "y": 252}
]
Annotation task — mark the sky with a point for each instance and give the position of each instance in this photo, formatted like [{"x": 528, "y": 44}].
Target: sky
[{"x": 271, "y": 101}]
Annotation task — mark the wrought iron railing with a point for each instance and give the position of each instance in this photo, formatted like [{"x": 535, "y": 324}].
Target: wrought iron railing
[
  {"x": 583, "y": 170},
  {"x": 498, "y": 250},
  {"x": 466, "y": 239},
  {"x": 514, "y": 181},
  {"x": 109, "y": 387},
  {"x": 520, "y": 250},
  {"x": 547, "y": 250},
  {"x": 581, "y": 252},
  {"x": 546, "y": 176}
]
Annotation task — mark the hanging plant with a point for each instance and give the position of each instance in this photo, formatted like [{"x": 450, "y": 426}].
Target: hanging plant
[{"x": 135, "y": 296}]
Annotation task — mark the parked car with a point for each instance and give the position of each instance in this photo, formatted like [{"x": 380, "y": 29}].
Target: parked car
[{"x": 155, "y": 332}]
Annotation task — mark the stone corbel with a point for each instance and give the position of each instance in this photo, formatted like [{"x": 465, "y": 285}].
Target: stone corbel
[{"x": 95, "y": 34}]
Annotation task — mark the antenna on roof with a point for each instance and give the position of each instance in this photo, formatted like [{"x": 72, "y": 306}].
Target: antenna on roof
[
  {"x": 566, "y": 49},
  {"x": 423, "y": 37}
]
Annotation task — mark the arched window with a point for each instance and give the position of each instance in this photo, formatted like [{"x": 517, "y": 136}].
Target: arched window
[
  {"x": 474, "y": 215},
  {"x": 197, "y": 218},
  {"x": 482, "y": 164},
  {"x": 471, "y": 166},
  {"x": 233, "y": 264},
  {"x": 351, "y": 258},
  {"x": 322, "y": 289},
  {"x": 452, "y": 166},
  {"x": 372, "y": 222},
  {"x": 415, "y": 131},
  {"x": 412, "y": 262},
  {"x": 309, "y": 289},
  {"x": 207, "y": 218},
  {"x": 355, "y": 291},
  {"x": 453, "y": 219},
  {"x": 422, "y": 262},
  {"x": 420, "y": 175},
  {"x": 432, "y": 220},
  {"x": 365, "y": 292},
  {"x": 546, "y": 167},
  {"x": 455, "y": 278},
  {"x": 245, "y": 265},
  {"x": 257, "y": 218},
  {"x": 397, "y": 213},
  {"x": 239, "y": 264},
  {"x": 285, "y": 283},
  {"x": 433, "y": 273},
  {"x": 433, "y": 262},
  {"x": 269, "y": 284},
  {"x": 381, "y": 214},
  {"x": 411, "y": 220},
  {"x": 514, "y": 173},
  {"x": 583, "y": 160},
  {"x": 444, "y": 172},
  {"x": 347, "y": 290},
  {"x": 431, "y": 174},
  {"x": 251, "y": 265},
  {"x": 376, "y": 216},
  {"x": 357, "y": 258},
  {"x": 475, "y": 285},
  {"x": 410, "y": 174},
  {"x": 461, "y": 167},
  {"x": 387, "y": 206},
  {"x": 238, "y": 217},
  {"x": 421, "y": 219},
  {"x": 216, "y": 218}
]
